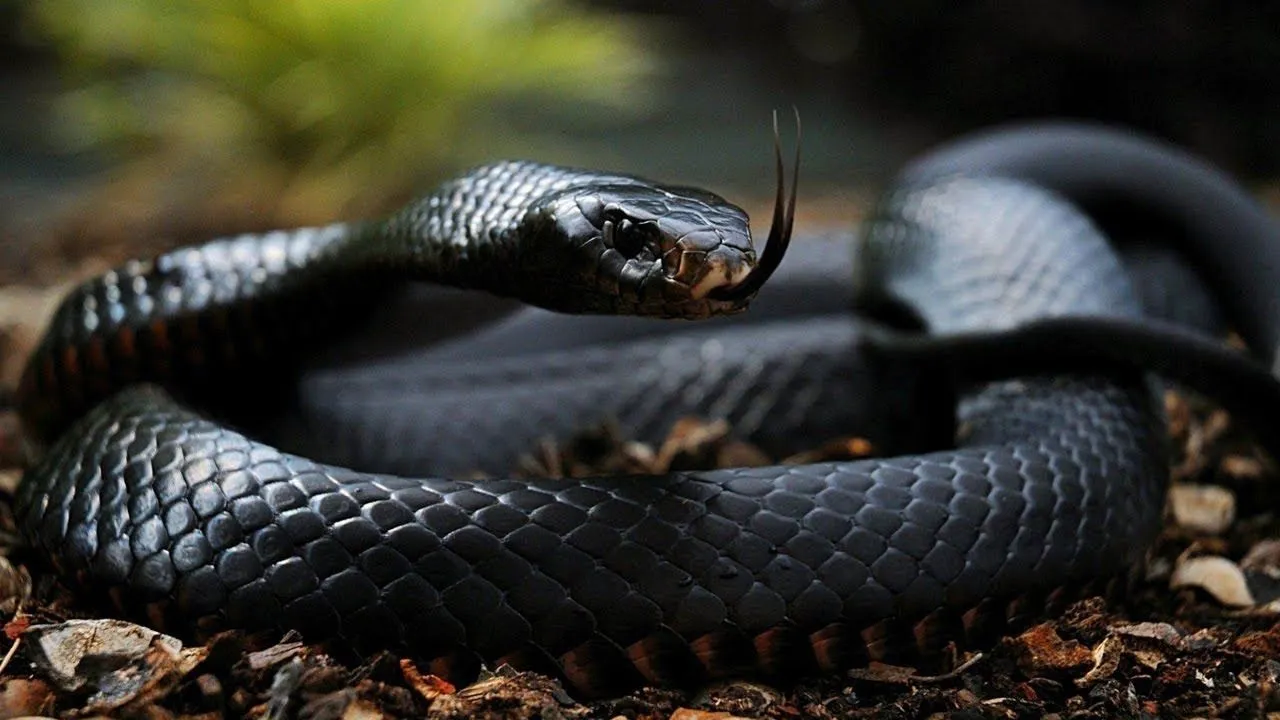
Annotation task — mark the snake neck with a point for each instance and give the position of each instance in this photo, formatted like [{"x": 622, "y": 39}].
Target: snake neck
[
  {"x": 419, "y": 244},
  {"x": 487, "y": 229},
  {"x": 236, "y": 311}
]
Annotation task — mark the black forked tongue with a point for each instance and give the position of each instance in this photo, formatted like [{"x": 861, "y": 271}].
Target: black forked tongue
[{"x": 784, "y": 215}]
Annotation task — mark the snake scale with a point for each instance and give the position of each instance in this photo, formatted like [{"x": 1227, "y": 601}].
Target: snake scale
[{"x": 1036, "y": 488}]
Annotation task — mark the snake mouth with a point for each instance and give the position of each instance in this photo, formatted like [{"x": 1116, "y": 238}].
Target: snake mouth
[{"x": 784, "y": 215}]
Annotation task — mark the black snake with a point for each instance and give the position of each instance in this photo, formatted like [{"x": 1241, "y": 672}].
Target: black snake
[{"x": 1054, "y": 485}]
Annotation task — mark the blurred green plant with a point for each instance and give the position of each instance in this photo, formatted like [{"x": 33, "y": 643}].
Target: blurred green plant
[{"x": 340, "y": 102}]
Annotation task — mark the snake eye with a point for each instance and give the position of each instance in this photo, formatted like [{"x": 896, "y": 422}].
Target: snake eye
[{"x": 629, "y": 238}]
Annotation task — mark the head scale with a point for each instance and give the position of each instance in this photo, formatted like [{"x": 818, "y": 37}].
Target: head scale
[{"x": 623, "y": 245}]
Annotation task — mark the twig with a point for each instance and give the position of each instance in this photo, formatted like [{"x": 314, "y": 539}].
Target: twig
[
  {"x": 951, "y": 675},
  {"x": 13, "y": 650}
]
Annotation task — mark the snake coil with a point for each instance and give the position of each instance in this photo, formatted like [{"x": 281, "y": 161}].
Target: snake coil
[{"x": 1053, "y": 485}]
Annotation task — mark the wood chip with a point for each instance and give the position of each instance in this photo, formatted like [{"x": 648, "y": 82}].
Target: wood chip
[
  {"x": 1106, "y": 660},
  {"x": 426, "y": 685},
  {"x": 60, "y": 650},
  {"x": 1217, "y": 576},
  {"x": 1207, "y": 509},
  {"x": 274, "y": 655},
  {"x": 691, "y": 714},
  {"x": 1163, "y": 633},
  {"x": 1041, "y": 650},
  {"x": 1242, "y": 466}
]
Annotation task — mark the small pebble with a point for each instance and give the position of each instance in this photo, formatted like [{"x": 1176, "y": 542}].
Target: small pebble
[{"x": 1206, "y": 509}]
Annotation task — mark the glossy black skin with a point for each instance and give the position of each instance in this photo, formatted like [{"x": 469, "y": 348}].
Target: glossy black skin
[{"x": 1053, "y": 482}]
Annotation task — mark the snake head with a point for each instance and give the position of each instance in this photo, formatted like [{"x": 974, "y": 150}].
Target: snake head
[
  {"x": 631, "y": 247},
  {"x": 622, "y": 245}
]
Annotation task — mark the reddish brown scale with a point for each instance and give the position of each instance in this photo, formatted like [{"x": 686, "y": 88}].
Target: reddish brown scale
[
  {"x": 876, "y": 640},
  {"x": 645, "y": 657},
  {"x": 704, "y": 650},
  {"x": 1020, "y": 609},
  {"x": 969, "y": 620},
  {"x": 576, "y": 668},
  {"x": 156, "y": 613},
  {"x": 71, "y": 382},
  {"x": 935, "y": 631},
  {"x": 1027, "y": 609},
  {"x": 205, "y": 627},
  {"x": 123, "y": 351},
  {"x": 833, "y": 649},
  {"x": 768, "y": 651},
  {"x": 116, "y": 595},
  {"x": 159, "y": 336},
  {"x": 125, "y": 359},
  {"x": 985, "y": 620},
  {"x": 70, "y": 364},
  {"x": 528, "y": 659},
  {"x": 155, "y": 337},
  {"x": 898, "y": 641},
  {"x": 664, "y": 658},
  {"x": 1056, "y": 598},
  {"x": 97, "y": 366},
  {"x": 598, "y": 668},
  {"x": 922, "y": 632},
  {"x": 35, "y": 400},
  {"x": 126, "y": 347},
  {"x": 96, "y": 356},
  {"x": 721, "y": 654},
  {"x": 784, "y": 652},
  {"x": 641, "y": 655}
]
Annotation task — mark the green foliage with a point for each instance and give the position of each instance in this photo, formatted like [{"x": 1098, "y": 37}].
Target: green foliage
[{"x": 360, "y": 96}]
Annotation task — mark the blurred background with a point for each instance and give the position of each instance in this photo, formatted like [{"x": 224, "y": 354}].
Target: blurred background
[{"x": 134, "y": 125}]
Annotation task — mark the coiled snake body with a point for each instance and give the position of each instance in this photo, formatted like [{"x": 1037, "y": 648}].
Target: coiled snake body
[{"x": 1055, "y": 482}]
